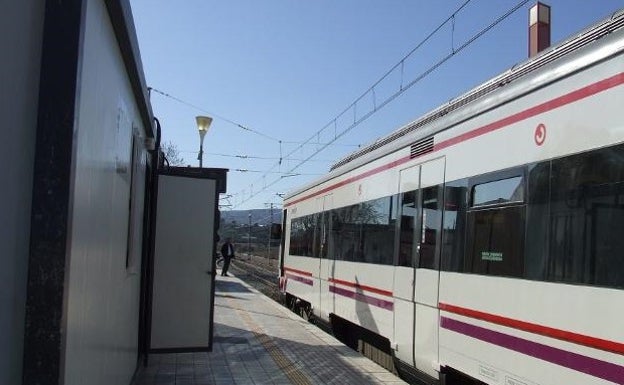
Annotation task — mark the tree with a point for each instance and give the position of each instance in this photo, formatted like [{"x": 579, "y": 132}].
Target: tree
[{"x": 172, "y": 154}]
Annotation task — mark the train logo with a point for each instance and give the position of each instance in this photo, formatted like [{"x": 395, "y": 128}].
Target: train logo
[{"x": 540, "y": 134}]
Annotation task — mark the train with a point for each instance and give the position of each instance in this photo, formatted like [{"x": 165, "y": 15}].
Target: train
[{"x": 484, "y": 241}]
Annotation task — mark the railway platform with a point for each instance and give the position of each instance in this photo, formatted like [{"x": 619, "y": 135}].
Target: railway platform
[{"x": 257, "y": 341}]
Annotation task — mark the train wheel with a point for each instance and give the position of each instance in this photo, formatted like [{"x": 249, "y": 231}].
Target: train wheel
[
  {"x": 305, "y": 311},
  {"x": 291, "y": 302}
]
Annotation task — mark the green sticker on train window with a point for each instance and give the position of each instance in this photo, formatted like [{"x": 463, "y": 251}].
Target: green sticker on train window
[{"x": 491, "y": 256}]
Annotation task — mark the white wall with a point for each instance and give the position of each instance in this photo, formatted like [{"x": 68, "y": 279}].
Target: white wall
[
  {"x": 20, "y": 44},
  {"x": 102, "y": 295}
]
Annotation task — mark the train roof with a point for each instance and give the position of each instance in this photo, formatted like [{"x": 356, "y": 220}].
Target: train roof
[{"x": 576, "y": 52}]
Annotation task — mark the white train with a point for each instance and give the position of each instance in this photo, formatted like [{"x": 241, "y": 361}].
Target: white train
[{"x": 484, "y": 241}]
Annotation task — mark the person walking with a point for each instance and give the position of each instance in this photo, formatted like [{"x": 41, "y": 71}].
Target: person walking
[{"x": 227, "y": 251}]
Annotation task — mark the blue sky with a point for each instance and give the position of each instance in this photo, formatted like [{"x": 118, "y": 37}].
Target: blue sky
[{"x": 285, "y": 69}]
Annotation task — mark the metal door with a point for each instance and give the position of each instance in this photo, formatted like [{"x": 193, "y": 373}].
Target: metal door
[
  {"x": 183, "y": 263},
  {"x": 430, "y": 203},
  {"x": 404, "y": 272},
  {"x": 326, "y": 261},
  {"x": 416, "y": 275}
]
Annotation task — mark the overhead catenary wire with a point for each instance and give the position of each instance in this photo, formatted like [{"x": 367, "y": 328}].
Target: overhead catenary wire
[
  {"x": 243, "y": 156},
  {"x": 319, "y": 143},
  {"x": 213, "y": 114},
  {"x": 283, "y": 174},
  {"x": 356, "y": 122},
  {"x": 239, "y": 125},
  {"x": 393, "y": 96}
]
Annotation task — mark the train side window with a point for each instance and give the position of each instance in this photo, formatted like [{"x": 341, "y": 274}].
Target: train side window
[
  {"x": 295, "y": 236},
  {"x": 587, "y": 217},
  {"x": 302, "y": 236},
  {"x": 321, "y": 237},
  {"x": 537, "y": 221},
  {"x": 569, "y": 230},
  {"x": 496, "y": 225},
  {"x": 336, "y": 235},
  {"x": 495, "y": 244},
  {"x": 345, "y": 234},
  {"x": 430, "y": 230},
  {"x": 454, "y": 225},
  {"x": 408, "y": 227},
  {"x": 498, "y": 192},
  {"x": 378, "y": 225},
  {"x": 364, "y": 232}
]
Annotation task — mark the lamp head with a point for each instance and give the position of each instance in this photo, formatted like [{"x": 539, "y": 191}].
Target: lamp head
[{"x": 203, "y": 122}]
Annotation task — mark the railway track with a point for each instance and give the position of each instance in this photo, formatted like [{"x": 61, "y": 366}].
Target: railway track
[{"x": 259, "y": 272}]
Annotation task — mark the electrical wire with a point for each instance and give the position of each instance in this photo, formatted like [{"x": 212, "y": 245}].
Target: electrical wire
[
  {"x": 283, "y": 174},
  {"x": 167, "y": 95},
  {"x": 213, "y": 114},
  {"x": 254, "y": 157},
  {"x": 392, "y": 97},
  {"x": 333, "y": 122}
]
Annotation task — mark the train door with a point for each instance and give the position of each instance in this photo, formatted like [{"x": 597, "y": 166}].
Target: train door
[
  {"x": 416, "y": 274},
  {"x": 404, "y": 272},
  {"x": 326, "y": 260},
  {"x": 428, "y": 243},
  {"x": 282, "y": 249}
]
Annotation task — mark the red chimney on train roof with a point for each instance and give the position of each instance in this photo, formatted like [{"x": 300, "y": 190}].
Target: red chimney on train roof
[{"x": 539, "y": 28}]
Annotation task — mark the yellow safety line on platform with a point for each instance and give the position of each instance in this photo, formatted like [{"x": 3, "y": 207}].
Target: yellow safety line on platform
[{"x": 289, "y": 368}]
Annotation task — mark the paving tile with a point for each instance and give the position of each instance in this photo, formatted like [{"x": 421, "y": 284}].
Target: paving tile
[{"x": 258, "y": 342}]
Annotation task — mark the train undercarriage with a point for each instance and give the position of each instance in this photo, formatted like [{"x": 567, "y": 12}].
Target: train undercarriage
[{"x": 373, "y": 346}]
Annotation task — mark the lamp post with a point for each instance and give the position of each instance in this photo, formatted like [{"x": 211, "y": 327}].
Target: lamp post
[
  {"x": 249, "y": 237},
  {"x": 270, "y": 228},
  {"x": 203, "y": 122}
]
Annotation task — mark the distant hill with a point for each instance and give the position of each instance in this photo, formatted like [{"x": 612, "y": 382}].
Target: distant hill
[{"x": 261, "y": 217}]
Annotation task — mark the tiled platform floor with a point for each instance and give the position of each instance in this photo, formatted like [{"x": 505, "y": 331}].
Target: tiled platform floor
[{"x": 256, "y": 341}]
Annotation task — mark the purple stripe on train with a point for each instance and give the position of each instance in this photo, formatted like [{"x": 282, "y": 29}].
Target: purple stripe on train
[
  {"x": 388, "y": 305},
  {"x": 297, "y": 278},
  {"x": 593, "y": 367}
]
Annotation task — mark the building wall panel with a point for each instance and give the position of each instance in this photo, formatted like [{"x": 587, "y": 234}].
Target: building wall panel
[
  {"x": 19, "y": 76},
  {"x": 102, "y": 300}
]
